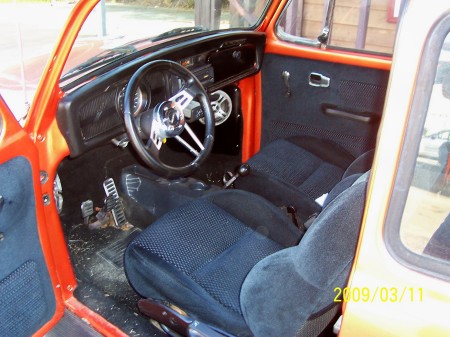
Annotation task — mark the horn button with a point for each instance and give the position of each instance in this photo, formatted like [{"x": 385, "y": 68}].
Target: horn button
[{"x": 170, "y": 119}]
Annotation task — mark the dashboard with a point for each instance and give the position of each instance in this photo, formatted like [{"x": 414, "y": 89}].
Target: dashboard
[{"x": 91, "y": 111}]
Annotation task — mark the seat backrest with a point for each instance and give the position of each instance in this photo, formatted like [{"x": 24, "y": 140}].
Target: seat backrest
[
  {"x": 292, "y": 292},
  {"x": 361, "y": 164}
]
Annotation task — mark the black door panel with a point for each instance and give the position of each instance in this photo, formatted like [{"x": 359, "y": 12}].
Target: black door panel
[
  {"x": 346, "y": 111},
  {"x": 27, "y": 300}
]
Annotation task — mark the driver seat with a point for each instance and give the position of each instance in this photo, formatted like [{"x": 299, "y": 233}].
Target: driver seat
[{"x": 234, "y": 261}]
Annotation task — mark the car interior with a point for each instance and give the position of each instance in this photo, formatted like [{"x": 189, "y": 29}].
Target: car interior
[{"x": 163, "y": 218}]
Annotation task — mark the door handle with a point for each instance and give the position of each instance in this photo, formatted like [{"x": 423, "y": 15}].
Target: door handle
[{"x": 319, "y": 80}]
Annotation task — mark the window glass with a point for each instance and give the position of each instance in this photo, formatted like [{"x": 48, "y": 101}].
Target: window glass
[
  {"x": 115, "y": 28},
  {"x": 425, "y": 225},
  {"x": 119, "y": 28},
  {"x": 364, "y": 25},
  {"x": 357, "y": 24},
  {"x": 302, "y": 18}
]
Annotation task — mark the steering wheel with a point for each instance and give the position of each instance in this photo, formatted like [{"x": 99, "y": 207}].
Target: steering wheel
[{"x": 150, "y": 129}]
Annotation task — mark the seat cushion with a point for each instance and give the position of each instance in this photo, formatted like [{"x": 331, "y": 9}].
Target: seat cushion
[
  {"x": 198, "y": 255},
  {"x": 296, "y": 171},
  {"x": 311, "y": 165}
]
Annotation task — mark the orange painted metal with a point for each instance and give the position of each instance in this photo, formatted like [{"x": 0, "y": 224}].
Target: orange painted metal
[
  {"x": 15, "y": 142},
  {"x": 42, "y": 128},
  {"x": 92, "y": 318},
  {"x": 41, "y": 141},
  {"x": 257, "y": 119},
  {"x": 276, "y": 46},
  {"x": 272, "y": 11},
  {"x": 43, "y": 107},
  {"x": 376, "y": 266},
  {"x": 247, "y": 87}
]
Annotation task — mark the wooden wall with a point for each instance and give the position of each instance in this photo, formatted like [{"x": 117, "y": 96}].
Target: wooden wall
[{"x": 380, "y": 33}]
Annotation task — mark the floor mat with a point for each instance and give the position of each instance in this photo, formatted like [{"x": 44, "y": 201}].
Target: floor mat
[
  {"x": 113, "y": 253},
  {"x": 97, "y": 257}
]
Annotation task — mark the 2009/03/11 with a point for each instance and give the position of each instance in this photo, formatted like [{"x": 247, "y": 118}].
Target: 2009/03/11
[{"x": 382, "y": 294}]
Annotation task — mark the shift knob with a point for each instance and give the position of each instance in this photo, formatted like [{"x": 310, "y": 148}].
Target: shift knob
[
  {"x": 243, "y": 170},
  {"x": 229, "y": 178}
]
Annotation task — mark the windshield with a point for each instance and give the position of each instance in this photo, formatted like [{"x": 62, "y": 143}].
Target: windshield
[{"x": 115, "y": 28}]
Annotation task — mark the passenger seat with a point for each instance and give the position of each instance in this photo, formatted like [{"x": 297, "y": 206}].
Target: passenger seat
[{"x": 296, "y": 171}]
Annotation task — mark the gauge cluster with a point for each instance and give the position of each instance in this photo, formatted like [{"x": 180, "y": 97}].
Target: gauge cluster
[{"x": 141, "y": 99}]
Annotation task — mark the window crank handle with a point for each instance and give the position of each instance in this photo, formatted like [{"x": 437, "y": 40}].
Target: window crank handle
[{"x": 285, "y": 75}]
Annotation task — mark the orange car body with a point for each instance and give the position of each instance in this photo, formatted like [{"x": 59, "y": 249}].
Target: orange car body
[{"x": 41, "y": 142}]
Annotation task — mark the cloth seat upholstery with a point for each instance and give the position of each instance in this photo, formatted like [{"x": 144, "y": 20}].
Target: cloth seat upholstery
[
  {"x": 234, "y": 261},
  {"x": 198, "y": 255},
  {"x": 297, "y": 170},
  {"x": 296, "y": 285},
  {"x": 437, "y": 246}
]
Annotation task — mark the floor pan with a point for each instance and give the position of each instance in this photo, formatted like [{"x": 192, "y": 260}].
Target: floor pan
[{"x": 97, "y": 256}]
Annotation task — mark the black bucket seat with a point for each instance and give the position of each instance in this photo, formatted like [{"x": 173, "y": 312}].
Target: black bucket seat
[{"x": 234, "y": 261}]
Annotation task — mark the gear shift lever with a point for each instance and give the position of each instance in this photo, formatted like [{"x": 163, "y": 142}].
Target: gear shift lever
[{"x": 229, "y": 178}]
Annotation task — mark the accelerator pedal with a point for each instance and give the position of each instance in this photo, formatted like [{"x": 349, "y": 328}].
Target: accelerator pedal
[{"x": 120, "y": 220}]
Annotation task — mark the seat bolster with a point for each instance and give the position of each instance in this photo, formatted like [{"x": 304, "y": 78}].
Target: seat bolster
[
  {"x": 270, "y": 301},
  {"x": 360, "y": 165},
  {"x": 301, "y": 279},
  {"x": 343, "y": 185},
  {"x": 154, "y": 278}
]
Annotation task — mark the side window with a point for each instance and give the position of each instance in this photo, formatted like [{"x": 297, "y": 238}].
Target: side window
[
  {"x": 425, "y": 224},
  {"x": 362, "y": 25}
]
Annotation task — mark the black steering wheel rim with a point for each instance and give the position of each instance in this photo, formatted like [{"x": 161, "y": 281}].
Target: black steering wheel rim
[{"x": 149, "y": 152}]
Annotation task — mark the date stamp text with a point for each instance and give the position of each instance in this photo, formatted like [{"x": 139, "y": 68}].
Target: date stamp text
[{"x": 378, "y": 294}]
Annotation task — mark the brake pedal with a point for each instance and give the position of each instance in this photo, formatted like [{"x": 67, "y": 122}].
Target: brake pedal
[
  {"x": 87, "y": 209},
  {"x": 120, "y": 220}
]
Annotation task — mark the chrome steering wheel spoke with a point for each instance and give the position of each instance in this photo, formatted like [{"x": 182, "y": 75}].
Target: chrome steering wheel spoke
[
  {"x": 167, "y": 120},
  {"x": 194, "y": 136},
  {"x": 182, "y": 98},
  {"x": 155, "y": 139},
  {"x": 188, "y": 146}
]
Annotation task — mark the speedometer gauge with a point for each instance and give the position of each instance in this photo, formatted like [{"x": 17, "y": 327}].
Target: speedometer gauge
[{"x": 141, "y": 100}]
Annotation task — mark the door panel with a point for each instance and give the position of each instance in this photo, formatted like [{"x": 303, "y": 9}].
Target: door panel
[
  {"x": 27, "y": 298},
  {"x": 347, "y": 110}
]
